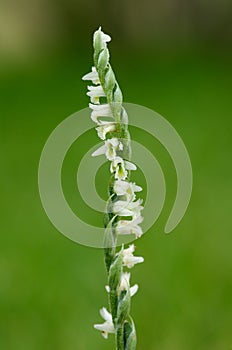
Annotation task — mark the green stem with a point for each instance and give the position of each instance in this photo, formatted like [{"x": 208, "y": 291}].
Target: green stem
[{"x": 119, "y": 338}]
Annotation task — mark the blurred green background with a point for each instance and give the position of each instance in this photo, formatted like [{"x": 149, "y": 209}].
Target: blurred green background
[{"x": 174, "y": 57}]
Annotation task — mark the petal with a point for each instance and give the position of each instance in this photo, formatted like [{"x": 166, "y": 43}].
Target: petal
[
  {"x": 129, "y": 165},
  {"x": 105, "y": 314},
  {"x": 114, "y": 141},
  {"x": 134, "y": 289},
  {"x": 136, "y": 188},
  {"x": 101, "y": 150},
  {"x": 92, "y": 76},
  {"x": 120, "y": 187}
]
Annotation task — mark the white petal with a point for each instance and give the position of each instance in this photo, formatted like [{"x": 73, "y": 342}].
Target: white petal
[
  {"x": 107, "y": 326},
  {"x": 114, "y": 142},
  {"x": 130, "y": 261},
  {"x": 120, "y": 187},
  {"x": 133, "y": 290},
  {"x": 102, "y": 130},
  {"x": 129, "y": 165},
  {"x": 107, "y": 289},
  {"x": 100, "y": 111},
  {"x": 105, "y": 314},
  {"x": 129, "y": 250},
  {"x": 126, "y": 227},
  {"x": 120, "y": 207},
  {"x": 99, "y": 151},
  {"x": 92, "y": 76},
  {"x": 95, "y": 92},
  {"x": 111, "y": 146},
  {"x": 125, "y": 282},
  {"x": 136, "y": 188}
]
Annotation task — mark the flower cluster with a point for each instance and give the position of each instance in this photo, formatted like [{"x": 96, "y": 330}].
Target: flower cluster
[
  {"x": 126, "y": 203},
  {"x": 124, "y": 208}
]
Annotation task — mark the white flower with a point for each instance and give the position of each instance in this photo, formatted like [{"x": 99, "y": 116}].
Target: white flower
[
  {"x": 104, "y": 128},
  {"x": 109, "y": 149},
  {"x": 92, "y": 76},
  {"x": 133, "y": 289},
  {"x": 121, "y": 208},
  {"x": 128, "y": 227},
  {"x": 125, "y": 284},
  {"x": 129, "y": 260},
  {"x": 106, "y": 327},
  {"x": 100, "y": 111},
  {"x": 128, "y": 208},
  {"x": 95, "y": 92},
  {"x": 118, "y": 166},
  {"x": 122, "y": 188}
]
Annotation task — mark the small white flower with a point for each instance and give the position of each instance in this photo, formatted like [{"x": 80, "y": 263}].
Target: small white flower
[
  {"x": 118, "y": 167},
  {"x": 109, "y": 149},
  {"x": 122, "y": 188},
  {"x": 133, "y": 289},
  {"x": 125, "y": 284},
  {"x": 100, "y": 111},
  {"x": 92, "y": 76},
  {"x": 129, "y": 260},
  {"x": 95, "y": 92},
  {"x": 135, "y": 208},
  {"x": 125, "y": 281},
  {"x": 121, "y": 208},
  {"x": 104, "y": 128},
  {"x": 128, "y": 227},
  {"x": 106, "y": 327},
  {"x": 128, "y": 208}
]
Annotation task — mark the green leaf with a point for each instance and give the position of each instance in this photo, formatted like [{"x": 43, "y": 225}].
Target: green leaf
[
  {"x": 123, "y": 306},
  {"x": 115, "y": 272},
  {"x": 130, "y": 339},
  {"x": 103, "y": 59}
]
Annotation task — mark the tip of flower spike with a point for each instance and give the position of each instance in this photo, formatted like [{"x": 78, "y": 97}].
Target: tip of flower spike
[{"x": 99, "y": 34}]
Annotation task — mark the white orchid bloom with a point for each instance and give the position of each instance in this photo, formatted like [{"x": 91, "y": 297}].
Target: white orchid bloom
[
  {"x": 92, "y": 76},
  {"x": 129, "y": 260},
  {"x": 135, "y": 208},
  {"x": 118, "y": 166},
  {"x": 121, "y": 208},
  {"x": 109, "y": 149},
  {"x": 133, "y": 289},
  {"x": 128, "y": 208},
  {"x": 103, "y": 110},
  {"x": 95, "y": 92},
  {"x": 106, "y": 327},
  {"x": 128, "y": 227},
  {"x": 125, "y": 284},
  {"x": 122, "y": 188},
  {"x": 104, "y": 128}
]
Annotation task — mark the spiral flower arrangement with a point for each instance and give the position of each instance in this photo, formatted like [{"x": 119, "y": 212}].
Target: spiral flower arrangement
[{"x": 123, "y": 211}]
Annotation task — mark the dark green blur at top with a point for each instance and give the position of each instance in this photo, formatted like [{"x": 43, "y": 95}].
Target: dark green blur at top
[{"x": 174, "y": 59}]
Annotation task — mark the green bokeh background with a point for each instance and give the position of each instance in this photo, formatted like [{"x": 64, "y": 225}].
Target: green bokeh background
[{"x": 177, "y": 62}]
